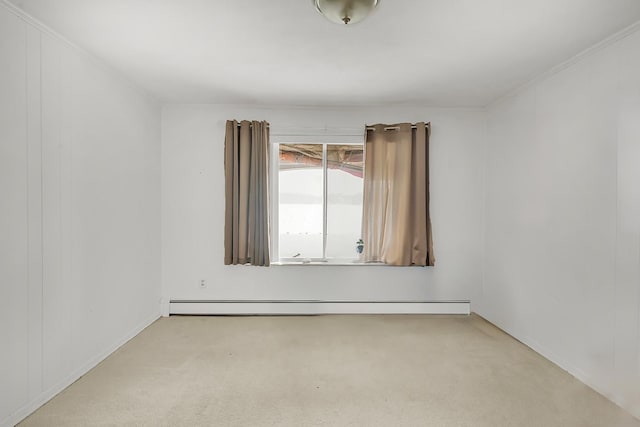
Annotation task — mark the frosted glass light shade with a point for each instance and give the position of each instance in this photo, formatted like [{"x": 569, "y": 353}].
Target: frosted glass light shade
[{"x": 345, "y": 11}]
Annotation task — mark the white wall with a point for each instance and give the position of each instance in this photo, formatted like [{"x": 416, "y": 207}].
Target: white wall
[
  {"x": 193, "y": 210},
  {"x": 80, "y": 222},
  {"x": 79, "y": 214},
  {"x": 562, "y": 246}
]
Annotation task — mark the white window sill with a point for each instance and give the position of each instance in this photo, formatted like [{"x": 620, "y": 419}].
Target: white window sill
[{"x": 345, "y": 263}]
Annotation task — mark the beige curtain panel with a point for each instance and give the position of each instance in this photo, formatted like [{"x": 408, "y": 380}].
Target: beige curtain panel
[
  {"x": 246, "y": 230},
  {"x": 396, "y": 226}
]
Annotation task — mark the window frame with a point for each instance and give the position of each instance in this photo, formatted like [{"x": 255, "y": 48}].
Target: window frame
[{"x": 325, "y": 139}]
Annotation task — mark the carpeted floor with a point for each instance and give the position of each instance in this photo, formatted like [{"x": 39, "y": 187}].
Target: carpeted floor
[{"x": 358, "y": 370}]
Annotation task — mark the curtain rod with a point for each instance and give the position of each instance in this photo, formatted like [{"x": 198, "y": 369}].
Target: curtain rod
[
  {"x": 395, "y": 127},
  {"x": 368, "y": 127},
  {"x": 250, "y": 125}
]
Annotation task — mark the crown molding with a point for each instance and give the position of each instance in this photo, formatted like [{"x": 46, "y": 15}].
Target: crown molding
[
  {"x": 590, "y": 51},
  {"x": 44, "y": 29},
  {"x": 20, "y": 13},
  {"x": 323, "y": 107}
]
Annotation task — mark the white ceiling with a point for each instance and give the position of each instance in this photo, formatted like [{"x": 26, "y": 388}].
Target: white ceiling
[{"x": 434, "y": 52}]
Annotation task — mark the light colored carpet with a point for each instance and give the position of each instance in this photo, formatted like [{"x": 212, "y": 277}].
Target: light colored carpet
[{"x": 392, "y": 370}]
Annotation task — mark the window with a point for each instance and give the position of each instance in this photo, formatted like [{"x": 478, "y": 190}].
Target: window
[{"x": 316, "y": 201}]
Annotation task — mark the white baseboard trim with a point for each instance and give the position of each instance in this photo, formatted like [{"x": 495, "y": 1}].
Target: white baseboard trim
[
  {"x": 164, "y": 308},
  {"x": 249, "y": 307},
  {"x": 51, "y": 392},
  {"x": 562, "y": 363}
]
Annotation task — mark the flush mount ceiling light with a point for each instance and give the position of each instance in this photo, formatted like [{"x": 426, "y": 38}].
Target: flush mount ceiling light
[{"x": 345, "y": 11}]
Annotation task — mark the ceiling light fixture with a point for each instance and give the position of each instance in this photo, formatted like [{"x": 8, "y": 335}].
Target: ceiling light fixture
[{"x": 345, "y": 11}]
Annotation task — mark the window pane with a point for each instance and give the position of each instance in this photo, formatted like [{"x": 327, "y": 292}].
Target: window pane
[
  {"x": 344, "y": 199},
  {"x": 300, "y": 201}
]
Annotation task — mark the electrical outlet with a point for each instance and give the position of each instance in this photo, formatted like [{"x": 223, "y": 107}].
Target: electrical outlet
[{"x": 203, "y": 283}]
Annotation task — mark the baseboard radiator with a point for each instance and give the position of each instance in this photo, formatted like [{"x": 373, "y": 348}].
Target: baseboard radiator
[{"x": 310, "y": 307}]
